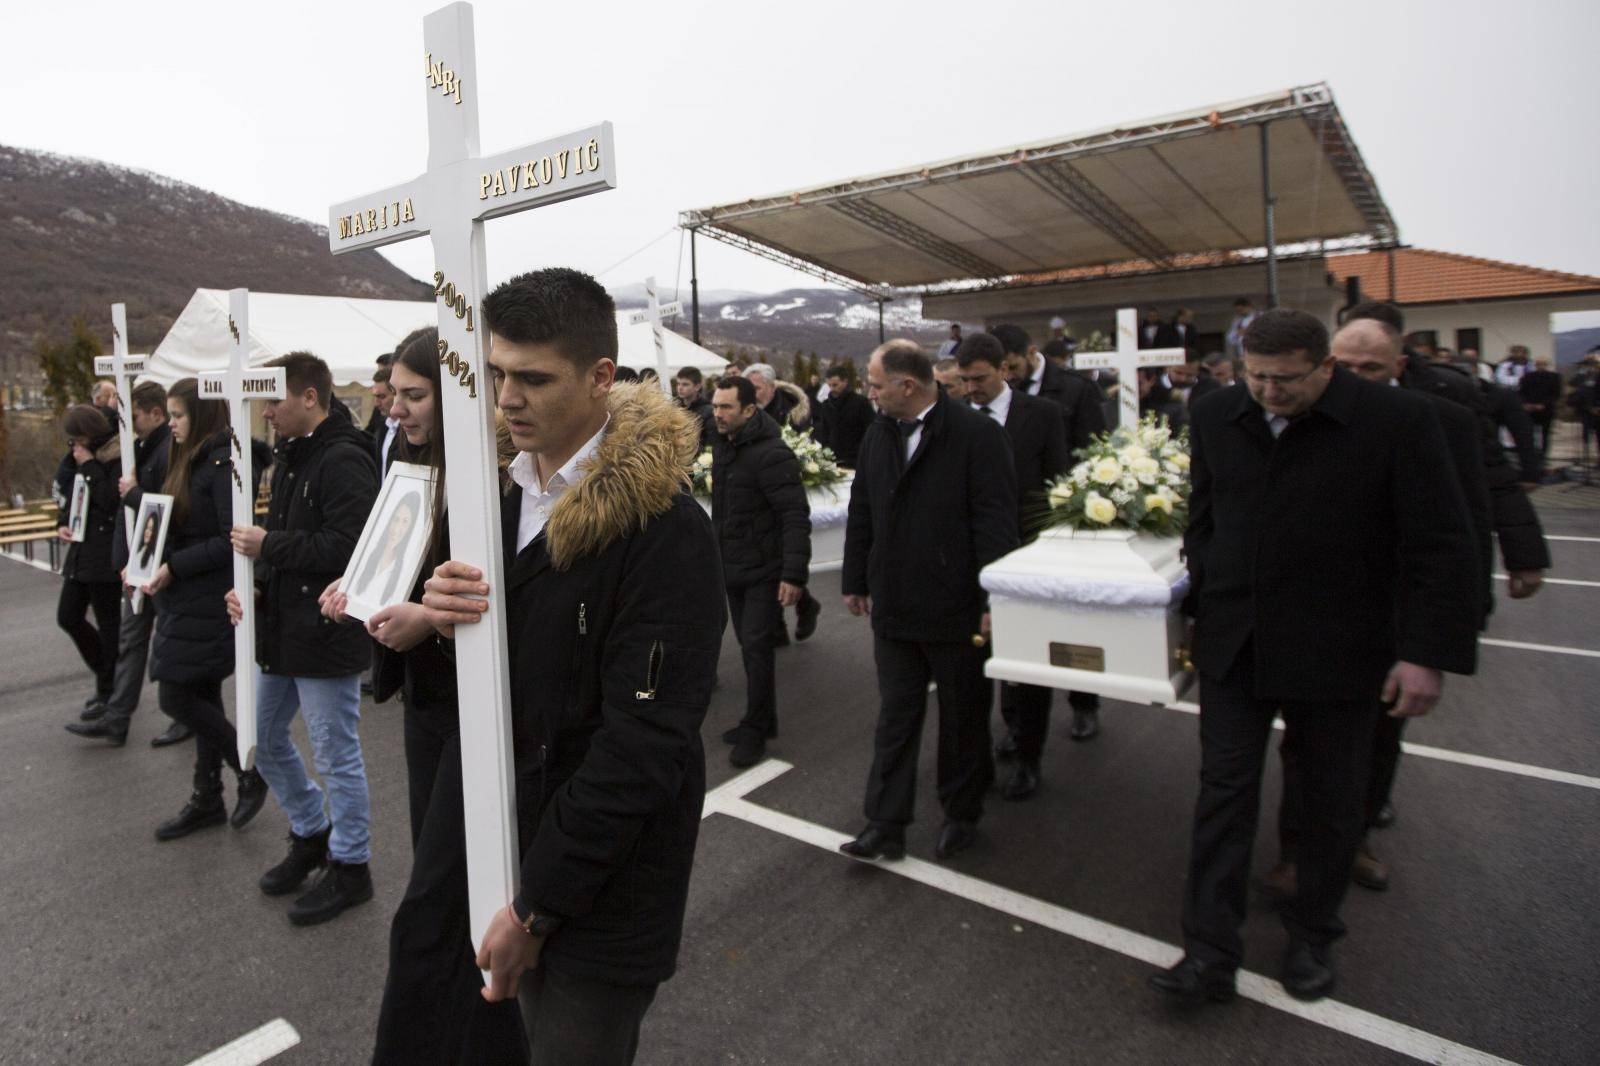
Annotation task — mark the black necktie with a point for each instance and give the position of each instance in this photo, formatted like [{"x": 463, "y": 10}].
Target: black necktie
[
  {"x": 985, "y": 410},
  {"x": 908, "y": 427}
]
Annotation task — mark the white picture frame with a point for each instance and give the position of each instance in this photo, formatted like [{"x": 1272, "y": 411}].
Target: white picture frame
[
  {"x": 78, "y": 510},
  {"x": 388, "y": 557},
  {"x": 147, "y": 546}
]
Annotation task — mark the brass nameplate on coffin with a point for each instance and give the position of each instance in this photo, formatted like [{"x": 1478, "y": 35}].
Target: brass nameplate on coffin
[{"x": 1078, "y": 657}]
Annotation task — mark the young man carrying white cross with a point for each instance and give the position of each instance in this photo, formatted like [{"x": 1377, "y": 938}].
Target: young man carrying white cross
[{"x": 615, "y": 617}]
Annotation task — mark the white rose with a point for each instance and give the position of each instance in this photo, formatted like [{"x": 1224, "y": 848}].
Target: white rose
[
  {"x": 812, "y": 468},
  {"x": 1134, "y": 452},
  {"x": 1157, "y": 502},
  {"x": 1099, "y": 509},
  {"x": 1106, "y": 471},
  {"x": 1146, "y": 469},
  {"x": 1061, "y": 495},
  {"x": 704, "y": 461},
  {"x": 1181, "y": 461}
]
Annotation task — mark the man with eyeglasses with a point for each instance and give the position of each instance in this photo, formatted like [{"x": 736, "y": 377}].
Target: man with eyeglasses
[{"x": 1332, "y": 570}]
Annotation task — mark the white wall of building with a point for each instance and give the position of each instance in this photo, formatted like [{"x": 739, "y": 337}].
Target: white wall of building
[{"x": 1502, "y": 322}]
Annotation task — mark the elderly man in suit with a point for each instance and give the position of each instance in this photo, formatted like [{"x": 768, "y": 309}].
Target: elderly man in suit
[{"x": 1333, "y": 574}]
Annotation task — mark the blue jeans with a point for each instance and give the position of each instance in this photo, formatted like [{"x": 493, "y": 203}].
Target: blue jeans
[{"x": 333, "y": 713}]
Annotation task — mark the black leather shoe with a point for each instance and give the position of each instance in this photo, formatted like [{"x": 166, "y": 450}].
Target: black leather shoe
[
  {"x": 955, "y": 837},
  {"x": 1085, "y": 724},
  {"x": 305, "y": 855},
  {"x": 342, "y": 886},
  {"x": 1307, "y": 971},
  {"x": 1369, "y": 871},
  {"x": 252, "y": 794},
  {"x": 1385, "y": 817},
  {"x": 201, "y": 811},
  {"x": 805, "y": 622},
  {"x": 1006, "y": 749},
  {"x": 734, "y": 735},
  {"x": 874, "y": 843},
  {"x": 1193, "y": 982},
  {"x": 94, "y": 710},
  {"x": 114, "y": 733},
  {"x": 1024, "y": 781},
  {"x": 176, "y": 733},
  {"x": 749, "y": 750}
]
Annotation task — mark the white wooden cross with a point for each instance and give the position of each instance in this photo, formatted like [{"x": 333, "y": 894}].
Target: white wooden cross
[
  {"x": 238, "y": 386},
  {"x": 653, "y": 314},
  {"x": 122, "y": 368},
  {"x": 449, "y": 203},
  {"x": 1126, "y": 361}
]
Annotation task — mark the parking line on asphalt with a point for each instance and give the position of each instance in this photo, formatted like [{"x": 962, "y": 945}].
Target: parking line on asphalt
[
  {"x": 1557, "y": 581},
  {"x": 1554, "y": 649},
  {"x": 728, "y": 799},
  {"x": 1581, "y": 540},
  {"x": 257, "y": 1046}
]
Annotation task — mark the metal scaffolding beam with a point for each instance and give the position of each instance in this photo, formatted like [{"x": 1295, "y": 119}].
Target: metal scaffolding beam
[
  {"x": 1070, "y": 185},
  {"x": 912, "y": 235}
]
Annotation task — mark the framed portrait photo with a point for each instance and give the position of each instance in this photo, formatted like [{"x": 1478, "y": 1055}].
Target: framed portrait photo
[
  {"x": 78, "y": 510},
  {"x": 388, "y": 557},
  {"x": 148, "y": 545}
]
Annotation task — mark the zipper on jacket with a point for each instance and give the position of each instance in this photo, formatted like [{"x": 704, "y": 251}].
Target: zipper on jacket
[
  {"x": 652, "y": 673},
  {"x": 583, "y": 619}
]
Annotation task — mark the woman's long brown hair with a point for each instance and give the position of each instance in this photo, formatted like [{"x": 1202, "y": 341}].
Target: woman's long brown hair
[{"x": 207, "y": 418}]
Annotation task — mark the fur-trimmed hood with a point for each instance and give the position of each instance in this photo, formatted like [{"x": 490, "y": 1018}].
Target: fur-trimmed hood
[
  {"x": 800, "y": 413},
  {"x": 639, "y": 469}
]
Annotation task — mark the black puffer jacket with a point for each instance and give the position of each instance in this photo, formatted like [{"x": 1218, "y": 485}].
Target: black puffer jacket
[
  {"x": 90, "y": 560},
  {"x": 323, "y": 486},
  {"x": 758, "y": 506},
  {"x": 193, "y": 640}
]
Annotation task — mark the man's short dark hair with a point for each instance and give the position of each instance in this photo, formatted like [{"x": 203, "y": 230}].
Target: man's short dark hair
[
  {"x": 1378, "y": 311},
  {"x": 381, "y": 375},
  {"x": 691, "y": 374},
  {"x": 1243, "y": 301},
  {"x": 558, "y": 306},
  {"x": 625, "y": 373},
  {"x": 387, "y": 358},
  {"x": 149, "y": 396},
  {"x": 302, "y": 371},
  {"x": 743, "y": 386},
  {"x": 1014, "y": 340},
  {"x": 980, "y": 348},
  {"x": 905, "y": 358},
  {"x": 1216, "y": 359},
  {"x": 1283, "y": 331},
  {"x": 837, "y": 370}
]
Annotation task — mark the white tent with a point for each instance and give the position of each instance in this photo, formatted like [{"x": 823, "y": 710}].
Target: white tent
[{"x": 349, "y": 334}]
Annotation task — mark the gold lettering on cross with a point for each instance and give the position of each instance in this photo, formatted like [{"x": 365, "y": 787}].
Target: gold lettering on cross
[{"x": 444, "y": 79}]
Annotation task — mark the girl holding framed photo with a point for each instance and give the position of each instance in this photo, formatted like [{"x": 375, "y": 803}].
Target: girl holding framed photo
[{"x": 90, "y": 580}]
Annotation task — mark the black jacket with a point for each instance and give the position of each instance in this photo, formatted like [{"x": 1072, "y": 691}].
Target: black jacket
[
  {"x": 91, "y": 559},
  {"x": 759, "y": 508},
  {"x": 192, "y": 640},
  {"x": 1159, "y": 400},
  {"x": 1334, "y": 550},
  {"x": 700, "y": 408},
  {"x": 1081, "y": 401},
  {"x": 842, "y": 420},
  {"x": 1466, "y": 460},
  {"x": 1204, "y": 385},
  {"x": 1039, "y": 455},
  {"x": 918, "y": 532},
  {"x": 1541, "y": 387},
  {"x": 150, "y": 470},
  {"x": 1505, "y": 405},
  {"x": 615, "y": 614},
  {"x": 323, "y": 486}
]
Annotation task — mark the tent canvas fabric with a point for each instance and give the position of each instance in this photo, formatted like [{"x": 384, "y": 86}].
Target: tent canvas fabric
[{"x": 349, "y": 334}]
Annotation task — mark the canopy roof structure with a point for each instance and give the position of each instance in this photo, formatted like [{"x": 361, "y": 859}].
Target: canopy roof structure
[
  {"x": 348, "y": 334},
  {"x": 1155, "y": 190}
]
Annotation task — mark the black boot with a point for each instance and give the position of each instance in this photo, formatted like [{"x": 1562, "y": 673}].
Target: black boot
[
  {"x": 114, "y": 732},
  {"x": 176, "y": 733},
  {"x": 1085, "y": 724},
  {"x": 252, "y": 794},
  {"x": 94, "y": 709},
  {"x": 305, "y": 855},
  {"x": 342, "y": 886},
  {"x": 203, "y": 809}
]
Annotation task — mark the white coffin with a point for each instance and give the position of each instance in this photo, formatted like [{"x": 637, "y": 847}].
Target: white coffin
[
  {"x": 829, "y": 506},
  {"x": 1091, "y": 611}
]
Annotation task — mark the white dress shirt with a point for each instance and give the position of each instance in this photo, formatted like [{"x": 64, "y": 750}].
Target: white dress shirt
[
  {"x": 388, "y": 439},
  {"x": 999, "y": 407},
  {"x": 1276, "y": 423},
  {"x": 916, "y": 434},
  {"x": 1035, "y": 379},
  {"x": 539, "y": 500}
]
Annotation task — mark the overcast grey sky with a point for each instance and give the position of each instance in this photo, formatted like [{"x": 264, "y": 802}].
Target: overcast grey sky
[{"x": 1478, "y": 119}]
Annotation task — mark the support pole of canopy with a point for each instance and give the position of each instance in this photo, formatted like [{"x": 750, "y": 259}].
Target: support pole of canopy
[
  {"x": 1267, "y": 203},
  {"x": 880, "y": 320},
  {"x": 694, "y": 287}
]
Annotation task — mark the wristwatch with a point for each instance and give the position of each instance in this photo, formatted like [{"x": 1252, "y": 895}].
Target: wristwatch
[{"x": 536, "y": 924}]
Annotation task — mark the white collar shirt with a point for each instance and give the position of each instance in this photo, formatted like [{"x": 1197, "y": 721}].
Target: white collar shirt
[
  {"x": 1035, "y": 378},
  {"x": 916, "y": 434},
  {"x": 539, "y": 500},
  {"x": 388, "y": 441},
  {"x": 998, "y": 409}
]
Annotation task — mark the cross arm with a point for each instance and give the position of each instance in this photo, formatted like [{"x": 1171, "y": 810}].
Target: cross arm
[
  {"x": 386, "y": 216},
  {"x": 574, "y": 164}
]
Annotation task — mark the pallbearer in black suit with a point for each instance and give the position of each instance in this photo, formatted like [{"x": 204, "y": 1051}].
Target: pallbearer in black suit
[
  {"x": 1039, "y": 456},
  {"x": 934, "y": 500},
  {"x": 1332, "y": 567}
]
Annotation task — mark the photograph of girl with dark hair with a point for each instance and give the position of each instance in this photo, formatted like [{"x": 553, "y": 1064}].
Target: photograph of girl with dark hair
[
  {"x": 149, "y": 533},
  {"x": 390, "y": 550}
]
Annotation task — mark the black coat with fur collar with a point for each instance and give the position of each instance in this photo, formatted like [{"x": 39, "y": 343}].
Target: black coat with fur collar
[{"x": 615, "y": 615}]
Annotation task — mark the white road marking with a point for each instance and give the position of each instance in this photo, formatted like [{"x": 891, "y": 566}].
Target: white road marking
[
  {"x": 1555, "y": 649},
  {"x": 1583, "y": 540},
  {"x": 1557, "y": 581},
  {"x": 274, "y": 1038},
  {"x": 729, "y": 799}
]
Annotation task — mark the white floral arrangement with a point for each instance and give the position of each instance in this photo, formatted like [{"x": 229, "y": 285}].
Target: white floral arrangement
[
  {"x": 1130, "y": 478},
  {"x": 700, "y": 474},
  {"x": 818, "y": 466}
]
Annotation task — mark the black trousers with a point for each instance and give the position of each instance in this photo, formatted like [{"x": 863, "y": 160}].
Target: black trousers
[
  {"x": 1544, "y": 420},
  {"x": 433, "y": 1010},
  {"x": 198, "y": 705},
  {"x": 1026, "y": 711},
  {"x": 573, "y": 1021},
  {"x": 757, "y": 616},
  {"x": 1334, "y": 744},
  {"x": 965, "y": 763},
  {"x": 1386, "y": 737},
  {"x": 97, "y": 643}
]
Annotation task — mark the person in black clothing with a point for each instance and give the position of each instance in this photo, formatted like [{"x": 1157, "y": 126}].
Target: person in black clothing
[
  {"x": 934, "y": 500},
  {"x": 1331, "y": 567},
  {"x": 1540, "y": 392},
  {"x": 1155, "y": 397},
  {"x": 1039, "y": 455},
  {"x": 843, "y": 418},
  {"x": 763, "y": 524},
  {"x": 192, "y": 649},
  {"x": 382, "y": 396},
  {"x": 615, "y": 613},
  {"x": 89, "y": 581},
  {"x": 789, "y": 407},
  {"x": 687, "y": 387}
]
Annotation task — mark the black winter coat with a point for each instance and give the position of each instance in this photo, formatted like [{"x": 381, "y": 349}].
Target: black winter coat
[
  {"x": 150, "y": 470},
  {"x": 1334, "y": 550},
  {"x": 759, "y": 507},
  {"x": 323, "y": 486},
  {"x": 615, "y": 614},
  {"x": 91, "y": 559},
  {"x": 193, "y": 640},
  {"x": 1081, "y": 401},
  {"x": 1039, "y": 455},
  {"x": 842, "y": 420},
  {"x": 918, "y": 532}
]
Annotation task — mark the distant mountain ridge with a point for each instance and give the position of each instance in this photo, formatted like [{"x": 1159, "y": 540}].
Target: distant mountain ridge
[{"x": 80, "y": 235}]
